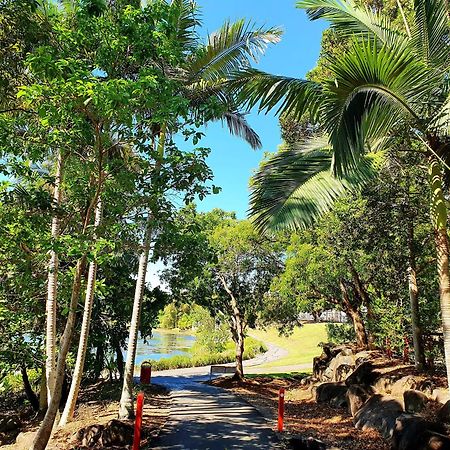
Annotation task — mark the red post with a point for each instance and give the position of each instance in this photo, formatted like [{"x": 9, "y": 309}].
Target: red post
[
  {"x": 280, "y": 409},
  {"x": 138, "y": 421}
]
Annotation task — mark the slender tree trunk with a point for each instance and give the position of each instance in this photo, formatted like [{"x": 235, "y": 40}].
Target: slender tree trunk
[
  {"x": 239, "y": 343},
  {"x": 419, "y": 354},
  {"x": 43, "y": 391},
  {"x": 126, "y": 409},
  {"x": 355, "y": 316},
  {"x": 439, "y": 220},
  {"x": 84, "y": 334},
  {"x": 31, "y": 396},
  {"x": 98, "y": 364},
  {"x": 45, "y": 429},
  {"x": 119, "y": 361},
  {"x": 52, "y": 284}
]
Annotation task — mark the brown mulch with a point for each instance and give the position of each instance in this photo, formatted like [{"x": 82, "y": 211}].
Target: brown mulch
[
  {"x": 333, "y": 426},
  {"x": 98, "y": 404}
]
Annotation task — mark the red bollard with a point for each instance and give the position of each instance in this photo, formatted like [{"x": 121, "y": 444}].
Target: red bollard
[
  {"x": 138, "y": 421},
  {"x": 146, "y": 373},
  {"x": 280, "y": 409}
]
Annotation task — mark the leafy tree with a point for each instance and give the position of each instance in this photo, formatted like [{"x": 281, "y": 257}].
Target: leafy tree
[
  {"x": 224, "y": 265},
  {"x": 379, "y": 86}
]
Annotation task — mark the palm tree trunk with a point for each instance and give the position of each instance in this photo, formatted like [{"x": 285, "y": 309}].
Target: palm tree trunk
[
  {"x": 439, "y": 220},
  {"x": 45, "y": 429},
  {"x": 419, "y": 355},
  {"x": 52, "y": 284},
  {"x": 126, "y": 409},
  {"x": 84, "y": 334}
]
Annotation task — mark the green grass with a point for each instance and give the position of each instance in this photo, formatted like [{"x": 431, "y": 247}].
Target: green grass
[
  {"x": 278, "y": 375},
  {"x": 302, "y": 345}
]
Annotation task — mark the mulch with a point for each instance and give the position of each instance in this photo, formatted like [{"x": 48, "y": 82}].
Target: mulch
[{"x": 333, "y": 426}]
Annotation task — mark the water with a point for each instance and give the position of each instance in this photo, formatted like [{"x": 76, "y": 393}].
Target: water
[{"x": 163, "y": 345}]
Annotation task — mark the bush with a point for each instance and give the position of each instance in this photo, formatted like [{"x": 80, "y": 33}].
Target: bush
[{"x": 340, "y": 333}]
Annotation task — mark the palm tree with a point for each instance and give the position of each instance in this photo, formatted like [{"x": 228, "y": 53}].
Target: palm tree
[
  {"x": 204, "y": 76},
  {"x": 390, "y": 78}
]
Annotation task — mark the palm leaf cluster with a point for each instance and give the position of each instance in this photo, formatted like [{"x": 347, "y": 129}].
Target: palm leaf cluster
[{"x": 390, "y": 78}]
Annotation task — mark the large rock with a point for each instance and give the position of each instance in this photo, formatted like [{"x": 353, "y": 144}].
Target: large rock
[
  {"x": 404, "y": 384},
  {"x": 441, "y": 395},
  {"x": 414, "y": 433},
  {"x": 444, "y": 413},
  {"x": 363, "y": 375},
  {"x": 114, "y": 433},
  {"x": 379, "y": 413},
  {"x": 414, "y": 401},
  {"x": 332, "y": 393},
  {"x": 357, "y": 395}
]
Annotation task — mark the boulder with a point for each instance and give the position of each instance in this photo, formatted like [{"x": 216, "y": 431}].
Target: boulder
[
  {"x": 9, "y": 423},
  {"x": 414, "y": 401},
  {"x": 118, "y": 433},
  {"x": 90, "y": 435},
  {"x": 441, "y": 395},
  {"x": 404, "y": 384},
  {"x": 412, "y": 432},
  {"x": 444, "y": 413},
  {"x": 343, "y": 371},
  {"x": 298, "y": 442},
  {"x": 332, "y": 393},
  {"x": 363, "y": 375},
  {"x": 379, "y": 413},
  {"x": 357, "y": 395}
]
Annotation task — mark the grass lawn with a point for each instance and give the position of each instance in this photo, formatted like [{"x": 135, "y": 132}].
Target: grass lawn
[{"x": 302, "y": 345}]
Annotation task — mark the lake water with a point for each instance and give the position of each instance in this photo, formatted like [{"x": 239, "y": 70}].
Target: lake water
[{"x": 163, "y": 345}]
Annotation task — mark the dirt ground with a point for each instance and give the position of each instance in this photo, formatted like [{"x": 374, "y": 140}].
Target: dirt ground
[
  {"x": 333, "y": 426},
  {"x": 98, "y": 404}
]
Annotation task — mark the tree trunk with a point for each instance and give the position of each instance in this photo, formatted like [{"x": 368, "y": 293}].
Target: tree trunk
[
  {"x": 45, "y": 429},
  {"x": 355, "y": 316},
  {"x": 126, "y": 409},
  {"x": 31, "y": 396},
  {"x": 239, "y": 343},
  {"x": 365, "y": 300},
  {"x": 419, "y": 354},
  {"x": 52, "y": 284},
  {"x": 119, "y": 361},
  {"x": 84, "y": 334},
  {"x": 439, "y": 220},
  {"x": 43, "y": 391},
  {"x": 98, "y": 364}
]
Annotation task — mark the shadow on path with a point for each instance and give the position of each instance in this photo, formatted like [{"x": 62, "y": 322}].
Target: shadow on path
[{"x": 206, "y": 417}]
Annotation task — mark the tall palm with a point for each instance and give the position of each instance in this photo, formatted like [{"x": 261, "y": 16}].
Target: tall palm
[
  {"x": 391, "y": 78},
  {"x": 204, "y": 75}
]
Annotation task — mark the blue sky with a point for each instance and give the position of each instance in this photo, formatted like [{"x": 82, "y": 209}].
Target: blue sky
[{"x": 231, "y": 159}]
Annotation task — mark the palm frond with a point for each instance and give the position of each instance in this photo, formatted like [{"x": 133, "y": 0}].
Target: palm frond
[
  {"x": 431, "y": 36},
  {"x": 290, "y": 96},
  {"x": 185, "y": 20},
  {"x": 374, "y": 89},
  {"x": 238, "y": 126},
  {"x": 295, "y": 187},
  {"x": 349, "y": 19},
  {"x": 233, "y": 47}
]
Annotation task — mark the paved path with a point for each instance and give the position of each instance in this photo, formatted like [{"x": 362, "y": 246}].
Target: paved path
[{"x": 208, "y": 418}]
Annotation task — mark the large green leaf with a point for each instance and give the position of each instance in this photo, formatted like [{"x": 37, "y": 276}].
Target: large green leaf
[{"x": 296, "y": 186}]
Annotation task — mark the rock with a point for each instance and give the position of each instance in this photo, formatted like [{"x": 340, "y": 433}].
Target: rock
[
  {"x": 298, "y": 442},
  {"x": 363, "y": 375},
  {"x": 117, "y": 432},
  {"x": 9, "y": 423},
  {"x": 332, "y": 393},
  {"x": 444, "y": 413},
  {"x": 441, "y": 395},
  {"x": 343, "y": 371},
  {"x": 90, "y": 436},
  {"x": 379, "y": 413},
  {"x": 357, "y": 395},
  {"x": 25, "y": 439},
  {"x": 412, "y": 432},
  {"x": 414, "y": 401},
  {"x": 307, "y": 380},
  {"x": 403, "y": 384}
]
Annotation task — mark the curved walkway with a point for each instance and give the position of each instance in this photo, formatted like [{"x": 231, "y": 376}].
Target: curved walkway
[{"x": 205, "y": 417}]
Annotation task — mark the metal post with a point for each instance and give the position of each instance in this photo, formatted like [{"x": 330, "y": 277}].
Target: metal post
[{"x": 280, "y": 409}]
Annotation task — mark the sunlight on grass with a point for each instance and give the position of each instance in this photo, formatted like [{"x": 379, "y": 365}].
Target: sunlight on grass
[{"x": 302, "y": 345}]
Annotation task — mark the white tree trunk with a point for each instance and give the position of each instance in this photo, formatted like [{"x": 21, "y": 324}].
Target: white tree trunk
[
  {"x": 126, "y": 409},
  {"x": 52, "y": 284},
  {"x": 84, "y": 334},
  {"x": 45, "y": 429}
]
